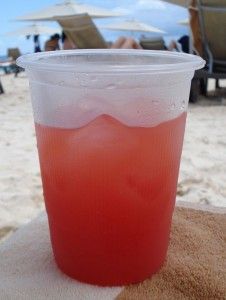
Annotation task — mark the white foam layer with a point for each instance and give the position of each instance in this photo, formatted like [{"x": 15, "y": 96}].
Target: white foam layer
[{"x": 73, "y": 107}]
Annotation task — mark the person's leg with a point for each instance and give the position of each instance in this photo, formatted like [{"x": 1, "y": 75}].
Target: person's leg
[
  {"x": 17, "y": 70},
  {"x": 203, "y": 86},
  {"x": 1, "y": 88},
  {"x": 172, "y": 46},
  {"x": 125, "y": 43},
  {"x": 118, "y": 43},
  {"x": 217, "y": 84},
  {"x": 194, "y": 92}
]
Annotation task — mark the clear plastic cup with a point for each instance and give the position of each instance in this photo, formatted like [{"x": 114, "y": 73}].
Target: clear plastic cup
[{"x": 110, "y": 127}]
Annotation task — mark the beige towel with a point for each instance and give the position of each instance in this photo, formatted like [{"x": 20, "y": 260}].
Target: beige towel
[
  {"x": 196, "y": 262},
  {"x": 195, "y": 268}
]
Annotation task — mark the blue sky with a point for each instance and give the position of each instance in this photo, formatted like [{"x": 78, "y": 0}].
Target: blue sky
[{"x": 164, "y": 16}]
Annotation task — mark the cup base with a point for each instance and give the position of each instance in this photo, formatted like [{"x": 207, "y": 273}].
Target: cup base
[
  {"x": 133, "y": 279},
  {"x": 125, "y": 266}
]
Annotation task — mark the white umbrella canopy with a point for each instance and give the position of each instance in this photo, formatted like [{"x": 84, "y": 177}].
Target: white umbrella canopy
[
  {"x": 184, "y": 22},
  {"x": 33, "y": 29},
  {"x": 184, "y": 3},
  {"x": 67, "y": 8},
  {"x": 132, "y": 25}
]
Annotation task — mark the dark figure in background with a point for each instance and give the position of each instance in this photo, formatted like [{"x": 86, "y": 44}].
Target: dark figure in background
[
  {"x": 53, "y": 43},
  {"x": 37, "y": 44},
  {"x": 1, "y": 88},
  {"x": 67, "y": 44},
  {"x": 184, "y": 42},
  {"x": 181, "y": 44}
]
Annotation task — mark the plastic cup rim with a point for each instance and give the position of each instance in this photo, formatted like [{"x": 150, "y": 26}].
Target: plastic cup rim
[{"x": 180, "y": 61}]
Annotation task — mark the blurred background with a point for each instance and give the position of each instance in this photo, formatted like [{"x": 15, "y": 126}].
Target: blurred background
[{"x": 160, "y": 14}]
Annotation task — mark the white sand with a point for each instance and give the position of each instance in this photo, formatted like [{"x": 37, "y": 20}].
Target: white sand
[
  {"x": 203, "y": 167},
  {"x": 202, "y": 176},
  {"x": 20, "y": 184}
]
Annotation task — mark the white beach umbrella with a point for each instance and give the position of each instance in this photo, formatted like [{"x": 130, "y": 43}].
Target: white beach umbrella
[
  {"x": 184, "y": 3},
  {"x": 133, "y": 26},
  {"x": 33, "y": 29},
  {"x": 67, "y": 8},
  {"x": 184, "y": 22}
]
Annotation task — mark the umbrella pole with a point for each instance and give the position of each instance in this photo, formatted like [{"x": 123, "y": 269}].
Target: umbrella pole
[{"x": 190, "y": 41}]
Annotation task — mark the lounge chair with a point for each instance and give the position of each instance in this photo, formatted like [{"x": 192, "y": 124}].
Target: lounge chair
[
  {"x": 153, "y": 44},
  {"x": 6, "y": 66},
  {"x": 212, "y": 20},
  {"x": 14, "y": 53},
  {"x": 82, "y": 32}
]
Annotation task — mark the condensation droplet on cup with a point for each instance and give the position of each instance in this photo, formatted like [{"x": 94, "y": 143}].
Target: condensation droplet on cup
[
  {"x": 111, "y": 86},
  {"x": 83, "y": 80},
  {"x": 172, "y": 106},
  {"x": 83, "y": 105},
  {"x": 183, "y": 104},
  {"x": 94, "y": 79},
  {"x": 89, "y": 57},
  {"x": 61, "y": 83},
  {"x": 155, "y": 102},
  {"x": 76, "y": 76},
  {"x": 146, "y": 114}
]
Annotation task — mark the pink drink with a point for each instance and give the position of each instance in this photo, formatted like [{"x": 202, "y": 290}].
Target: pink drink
[{"x": 109, "y": 192}]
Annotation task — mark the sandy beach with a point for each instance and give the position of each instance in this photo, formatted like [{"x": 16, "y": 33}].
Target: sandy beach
[{"x": 202, "y": 173}]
